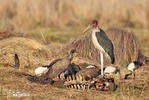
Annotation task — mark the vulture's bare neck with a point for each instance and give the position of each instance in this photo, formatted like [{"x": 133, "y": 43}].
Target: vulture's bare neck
[{"x": 71, "y": 56}]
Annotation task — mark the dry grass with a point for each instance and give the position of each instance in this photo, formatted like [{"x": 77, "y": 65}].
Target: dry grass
[
  {"x": 31, "y": 53},
  {"x": 126, "y": 48},
  {"x": 29, "y": 14}
]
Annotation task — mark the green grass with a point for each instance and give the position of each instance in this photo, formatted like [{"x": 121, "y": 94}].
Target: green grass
[
  {"x": 54, "y": 35},
  {"x": 64, "y": 35}
]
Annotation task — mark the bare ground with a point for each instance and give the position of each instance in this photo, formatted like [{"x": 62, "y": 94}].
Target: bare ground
[{"x": 12, "y": 79}]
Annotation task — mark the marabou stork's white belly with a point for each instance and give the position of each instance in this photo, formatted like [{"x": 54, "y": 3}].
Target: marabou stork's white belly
[{"x": 96, "y": 44}]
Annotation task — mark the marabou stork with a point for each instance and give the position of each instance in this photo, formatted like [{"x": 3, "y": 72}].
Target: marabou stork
[{"x": 101, "y": 42}]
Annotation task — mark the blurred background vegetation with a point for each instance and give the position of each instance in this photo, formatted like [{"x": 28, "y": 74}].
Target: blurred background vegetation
[
  {"x": 31, "y": 14},
  {"x": 63, "y": 20}
]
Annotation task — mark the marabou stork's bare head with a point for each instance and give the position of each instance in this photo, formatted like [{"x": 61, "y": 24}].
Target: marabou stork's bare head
[{"x": 91, "y": 26}]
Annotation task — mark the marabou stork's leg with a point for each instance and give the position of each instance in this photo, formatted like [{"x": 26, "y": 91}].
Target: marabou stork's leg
[{"x": 101, "y": 59}]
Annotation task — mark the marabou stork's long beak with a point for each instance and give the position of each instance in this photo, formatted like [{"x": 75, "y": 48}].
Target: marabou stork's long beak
[{"x": 87, "y": 28}]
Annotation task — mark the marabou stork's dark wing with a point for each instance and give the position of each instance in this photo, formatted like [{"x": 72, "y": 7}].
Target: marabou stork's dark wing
[{"x": 106, "y": 44}]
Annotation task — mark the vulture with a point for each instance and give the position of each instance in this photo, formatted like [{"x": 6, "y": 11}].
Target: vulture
[
  {"x": 88, "y": 73},
  {"x": 71, "y": 70},
  {"x": 132, "y": 67},
  {"x": 112, "y": 70},
  {"x": 58, "y": 66}
]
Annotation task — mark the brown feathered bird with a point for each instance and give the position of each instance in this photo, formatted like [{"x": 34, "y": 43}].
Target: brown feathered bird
[
  {"x": 89, "y": 73},
  {"x": 58, "y": 66}
]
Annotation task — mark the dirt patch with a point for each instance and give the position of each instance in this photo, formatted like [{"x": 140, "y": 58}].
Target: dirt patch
[{"x": 12, "y": 79}]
